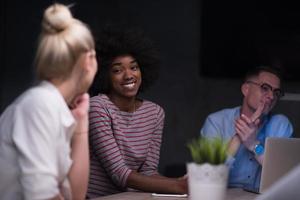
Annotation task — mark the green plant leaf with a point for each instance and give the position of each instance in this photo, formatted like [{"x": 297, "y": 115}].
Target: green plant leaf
[{"x": 208, "y": 150}]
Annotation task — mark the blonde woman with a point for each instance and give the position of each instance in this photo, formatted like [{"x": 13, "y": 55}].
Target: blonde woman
[{"x": 44, "y": 140}]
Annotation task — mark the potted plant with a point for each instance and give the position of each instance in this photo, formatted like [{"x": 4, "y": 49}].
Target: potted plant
[{"x": 208, "y": 174}]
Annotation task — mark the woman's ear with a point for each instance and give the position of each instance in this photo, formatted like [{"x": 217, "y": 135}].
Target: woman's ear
[{"x": 88, "y": 60}]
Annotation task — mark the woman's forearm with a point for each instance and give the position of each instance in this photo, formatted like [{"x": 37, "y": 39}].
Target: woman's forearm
[
  {"x": 156, "y": 183},
  {"x": 79, "y": 172}
]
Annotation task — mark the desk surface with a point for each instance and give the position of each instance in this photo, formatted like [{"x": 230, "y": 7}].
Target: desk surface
[{"x": 232, "y": 194}]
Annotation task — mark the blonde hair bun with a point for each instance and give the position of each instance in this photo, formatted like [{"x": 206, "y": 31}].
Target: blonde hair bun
[{"x": 57, "y": 18}]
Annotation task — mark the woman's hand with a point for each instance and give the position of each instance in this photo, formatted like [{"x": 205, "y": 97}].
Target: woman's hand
[
  {"x": 79, "y": 109},
  {"x": 183, "y": 184},
  {"x": 79, "y": 171}
]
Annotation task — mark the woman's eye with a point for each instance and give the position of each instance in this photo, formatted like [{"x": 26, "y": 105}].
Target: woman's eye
[
  {"x": 134, "y": 67},
  {"x": 116, "y": 71}
]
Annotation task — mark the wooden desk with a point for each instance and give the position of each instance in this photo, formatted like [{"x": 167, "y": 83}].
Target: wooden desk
[{"x": 232, "y": 194}]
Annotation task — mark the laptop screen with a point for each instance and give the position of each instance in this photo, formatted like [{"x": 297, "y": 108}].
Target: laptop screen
[{"x": 281, "y": 155}]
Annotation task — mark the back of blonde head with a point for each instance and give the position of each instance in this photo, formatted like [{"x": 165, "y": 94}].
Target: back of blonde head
[{"x": 62, "y": 40}]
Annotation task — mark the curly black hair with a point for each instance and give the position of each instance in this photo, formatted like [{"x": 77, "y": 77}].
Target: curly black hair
[{"x": 112, "y": 42}]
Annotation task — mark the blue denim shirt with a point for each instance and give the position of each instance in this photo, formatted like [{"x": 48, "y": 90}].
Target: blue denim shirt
[{"x": 245, "y": 171}]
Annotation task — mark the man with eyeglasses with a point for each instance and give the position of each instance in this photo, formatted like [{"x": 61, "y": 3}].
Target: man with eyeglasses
[{"x": 247, "y": 126}]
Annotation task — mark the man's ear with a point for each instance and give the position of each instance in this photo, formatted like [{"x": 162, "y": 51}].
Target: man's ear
[{"x": 245, "y": 89}]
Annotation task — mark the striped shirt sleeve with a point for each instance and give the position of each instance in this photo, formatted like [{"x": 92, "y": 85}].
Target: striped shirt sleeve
[
  {"x": 152, "y": 160},
  {"x": 104, "y": 145}
]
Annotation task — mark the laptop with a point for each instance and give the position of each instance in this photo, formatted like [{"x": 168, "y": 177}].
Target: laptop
[
  {"x": 285, "y": 188},
  {"x": 281, "y": 155}
]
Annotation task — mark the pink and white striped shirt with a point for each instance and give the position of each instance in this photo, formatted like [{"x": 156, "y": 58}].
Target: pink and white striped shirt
[{"x": 121, "y": 142}]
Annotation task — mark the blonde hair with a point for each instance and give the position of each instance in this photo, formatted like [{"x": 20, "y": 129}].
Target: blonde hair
[{"x": 62, "y": 40}]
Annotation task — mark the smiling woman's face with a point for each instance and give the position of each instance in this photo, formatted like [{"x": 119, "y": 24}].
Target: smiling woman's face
[{"x": 125, "y": 76}]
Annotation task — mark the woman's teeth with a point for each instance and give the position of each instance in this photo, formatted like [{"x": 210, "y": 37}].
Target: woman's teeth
[{"x": 129, "y": 86}]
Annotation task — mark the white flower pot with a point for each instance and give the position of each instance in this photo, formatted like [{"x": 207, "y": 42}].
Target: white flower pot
[{"x": 206, "y": 181}]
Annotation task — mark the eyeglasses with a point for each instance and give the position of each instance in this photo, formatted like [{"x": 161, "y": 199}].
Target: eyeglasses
[{"x": 266, "y": 88}]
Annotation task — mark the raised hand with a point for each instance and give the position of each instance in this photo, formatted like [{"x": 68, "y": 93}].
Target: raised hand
[
  {"x": 256, "y": 115},
  {"x": 79, "y": 171},
  {"x": 79, "y": 110},
  {"x": 246, "y": 128}
]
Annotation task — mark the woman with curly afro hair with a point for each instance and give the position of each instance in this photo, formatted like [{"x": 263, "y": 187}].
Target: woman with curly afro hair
[{"x": 125, "y": 130}]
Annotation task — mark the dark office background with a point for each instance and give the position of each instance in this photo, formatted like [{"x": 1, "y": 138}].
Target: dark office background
[{"x": 205, "y": 46}]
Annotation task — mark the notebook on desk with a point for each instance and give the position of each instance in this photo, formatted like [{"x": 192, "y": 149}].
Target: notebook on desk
[{"x": 281, "y": 155}]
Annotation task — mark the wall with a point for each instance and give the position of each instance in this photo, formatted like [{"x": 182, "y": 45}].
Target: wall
[{"x": 186, "y": 96}]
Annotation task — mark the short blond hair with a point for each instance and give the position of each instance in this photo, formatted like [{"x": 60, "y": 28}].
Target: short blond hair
[{"x": 62, "y": 40}]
